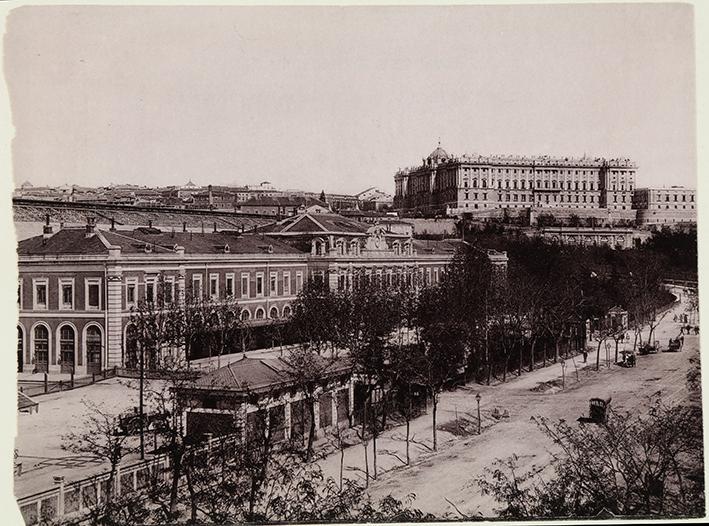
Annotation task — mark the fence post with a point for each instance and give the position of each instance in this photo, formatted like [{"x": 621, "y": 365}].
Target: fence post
[
  {"x": 59, "y": 480},
  {"x": 72, "y": 379},
  {"x": 104, "y": 374},
  {"x": 93, "y": 378},
  {"x": 60, "y": 386},
  {"x": 46, "y": 383}
]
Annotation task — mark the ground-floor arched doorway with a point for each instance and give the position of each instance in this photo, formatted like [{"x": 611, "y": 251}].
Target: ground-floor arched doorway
[
  {"x": 20, "y": 350},
  {"x": 67, "y": 348},
  {"x": 93, "y": 350}
]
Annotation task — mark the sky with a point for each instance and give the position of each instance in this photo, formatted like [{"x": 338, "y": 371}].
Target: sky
[{"x": 340, "y": 98}]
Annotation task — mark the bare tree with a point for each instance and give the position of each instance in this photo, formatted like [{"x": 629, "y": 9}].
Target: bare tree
[{"x": 632, "y": 466}]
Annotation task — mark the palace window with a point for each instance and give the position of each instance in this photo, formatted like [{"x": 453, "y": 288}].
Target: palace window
[{"x": 298, "y": 282}]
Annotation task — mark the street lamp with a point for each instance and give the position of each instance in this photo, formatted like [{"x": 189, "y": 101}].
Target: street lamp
[{"x": 477, "y": 399}]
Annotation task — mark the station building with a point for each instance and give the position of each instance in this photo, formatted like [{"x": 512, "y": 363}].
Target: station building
[{"x": 77, "y": 286}]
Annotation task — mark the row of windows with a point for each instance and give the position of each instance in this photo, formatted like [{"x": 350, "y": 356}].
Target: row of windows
[
  {"x": 66, "y": 297},
  {"x": 545, "y": 170},
  {"x": 546, "y": 184},
  {"x": 67, "y": 345},
  {"x": 523, "y": 198},
  {"x": 215, "y": 289},
  {"x": 390, "y": 277}
]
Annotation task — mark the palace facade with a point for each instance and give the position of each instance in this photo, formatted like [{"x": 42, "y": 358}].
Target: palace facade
[
  {"x": 77, "y": 286},
  {"x": 447, "y": 184},
  {"x": 665, "y": 206}
]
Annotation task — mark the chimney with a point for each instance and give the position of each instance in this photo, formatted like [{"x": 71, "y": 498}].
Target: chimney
[
  {"x": 150, "y": 223},
  {"x": 211, "y": 197},
  {"x": 47, "y": 229},
  {"x": 215, "y": 227},
  {"x": 184, "y": 226},
  {"x": 113, "y": 224},
  {"x": 242, "y": 228},
  {"x": 90, "y": 226}
]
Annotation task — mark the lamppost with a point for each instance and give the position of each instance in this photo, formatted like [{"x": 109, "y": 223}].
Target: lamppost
[
  {"x": 563, "y": 374},
  {"x": 477, "y": 399}
]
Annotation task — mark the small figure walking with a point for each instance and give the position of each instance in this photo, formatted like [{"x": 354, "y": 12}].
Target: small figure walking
[
  {"x": 696, "y": 329},
  {"x": 585, "y": 355}
]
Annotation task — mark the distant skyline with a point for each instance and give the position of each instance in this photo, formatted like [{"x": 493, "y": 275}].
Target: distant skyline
[{"x": 340, "y": 98}]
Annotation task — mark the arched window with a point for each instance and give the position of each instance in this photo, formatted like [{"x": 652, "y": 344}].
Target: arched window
[
  {"x": 273, "y": 313},
  {"x": 260, "y": 314},
  {"x": 397, "y": 248},
  {"x": 340, "y": 245},
  {"x": 20, "y": 349},
  {"x": 67, "y": 347},
  {"x": 93, "y": 350},
  {"x": 245, "y": 315},
  {"x": 286, "y": 311},
  {"x": 41, "y": 348}
]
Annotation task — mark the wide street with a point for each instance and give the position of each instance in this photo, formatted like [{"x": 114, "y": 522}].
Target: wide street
[{"x": 450, "y": 473}]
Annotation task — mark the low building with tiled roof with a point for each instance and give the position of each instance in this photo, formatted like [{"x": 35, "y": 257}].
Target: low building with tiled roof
[{"x": 256, "y": 390}]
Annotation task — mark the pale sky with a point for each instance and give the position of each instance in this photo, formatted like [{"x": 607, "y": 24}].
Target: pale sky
[{"x": 340, "y": 98}]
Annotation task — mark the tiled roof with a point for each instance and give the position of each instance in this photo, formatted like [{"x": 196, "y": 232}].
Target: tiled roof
[
  {"x": 256, "y": 374},
  {"x": 74, "y": 241},
  {"x": 66, "y": 241},
  {"x": 208, "y": 243}
]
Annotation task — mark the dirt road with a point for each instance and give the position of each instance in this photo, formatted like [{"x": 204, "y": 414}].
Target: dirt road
[{"x": 450, "y": 473}]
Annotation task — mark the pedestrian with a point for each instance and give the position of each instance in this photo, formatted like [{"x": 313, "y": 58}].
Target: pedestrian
[
  {"x": 675, "y": 318},
  {"x": 696, "y": 329},
  {"x": 585, "y": 355},
  {"x": 681, "y": 329}
]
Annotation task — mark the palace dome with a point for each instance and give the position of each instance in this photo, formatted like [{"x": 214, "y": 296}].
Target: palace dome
[{"x": 438, "y": 154}]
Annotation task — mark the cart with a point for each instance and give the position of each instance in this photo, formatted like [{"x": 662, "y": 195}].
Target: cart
[{"x": 597, "y": 411}]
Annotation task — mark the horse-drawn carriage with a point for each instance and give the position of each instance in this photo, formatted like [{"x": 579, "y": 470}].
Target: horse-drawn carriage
[
  {"x": 597, "y": 411},
  {"x": 675, "y": 345},
  {"x": 649, "y": 349}
]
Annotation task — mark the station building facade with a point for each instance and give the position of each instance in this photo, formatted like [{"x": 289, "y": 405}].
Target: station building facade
[{"x": 77, "y": 286}]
